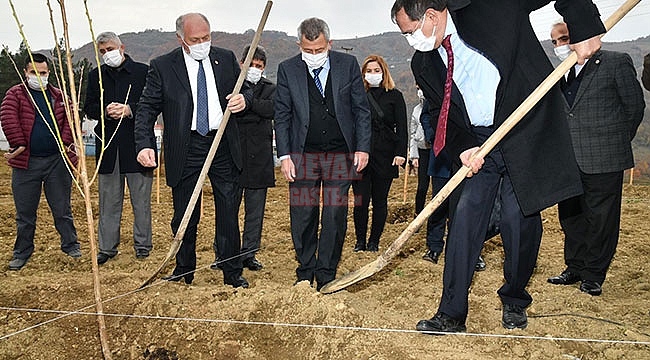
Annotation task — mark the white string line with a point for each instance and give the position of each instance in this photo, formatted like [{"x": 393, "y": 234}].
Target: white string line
[
  {"x": 333, "y": 327},
  {"x": 80, "y": 311}
]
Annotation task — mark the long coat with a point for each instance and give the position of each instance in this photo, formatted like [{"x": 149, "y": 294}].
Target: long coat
[
  {"x": 129, "y": 78},
  {"x": 537, "y": 151},
  {"x": 256, "y": 137}
]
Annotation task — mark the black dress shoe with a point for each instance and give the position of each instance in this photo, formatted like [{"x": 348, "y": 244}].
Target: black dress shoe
[
  {"x": 592, "y": 288},
  {"x": 217, "y": 264},
  {"x": 253, "y": 264},
  {"x": 431, "y": 256},
  {"x": 236, "y": 281},
  {"x": 441, "y": 323},
  {"x": 360, "y": 246},
  {"x": 480, "y": 264},
  {"x": 188, "y": 278},
  {"x": 141, "y": 254},
  {"x": 514, "y": 316},
  {"x": 374, "y": 247},
  {"x": 565, "y": 278},
  {"x": 102, "y": 258}
]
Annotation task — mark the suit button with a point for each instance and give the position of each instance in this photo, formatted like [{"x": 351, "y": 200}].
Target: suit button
[{"x": 324, "y": 132}]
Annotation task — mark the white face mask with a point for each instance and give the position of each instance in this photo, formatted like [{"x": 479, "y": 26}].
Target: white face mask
[
  {"x": 314, "y": 61},
  {"x": 32, "y": 81},
  {"x": 199, "y": 51},
  {"x": 254, "y": 75},
  {"x": 419, "y": 41},
  {"x": 374, "y": 79},
  {"x": 113, "y": 58},
  {"x": 562, "y": 52}
]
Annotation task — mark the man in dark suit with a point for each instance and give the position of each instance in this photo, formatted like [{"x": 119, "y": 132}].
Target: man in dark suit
[
  {"x": 604, "y": 107},
  {"x": 497, "y": 62},
  {"x": 115, "y": 135},
  {"x": 322, "y": 130},
  {"x": 192, "y": 86}
]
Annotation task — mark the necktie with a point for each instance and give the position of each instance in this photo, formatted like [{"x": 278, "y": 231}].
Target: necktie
[
  {"x": 202, "y": 124},
  {"x": 441, "y": 128},
  {"x": 317, "y": 80},
  {"x": 571, "y": 76}
]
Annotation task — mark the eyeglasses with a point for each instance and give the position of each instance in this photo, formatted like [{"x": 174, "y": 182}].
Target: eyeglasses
[
  {"x": 408, "y": 34},
  {"x": 563, "y": 38}
]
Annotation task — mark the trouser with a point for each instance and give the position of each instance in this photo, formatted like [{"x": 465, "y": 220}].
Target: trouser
[
  {"x": 225, "y": 189},
  {"x": 591, "y": 223},
  {"x": 468, "y": 227},
  {"x": 423, "y": 179},
  {"x": 254, "y": 203},
  {"x": 319, "y": 255},
  {"x": 437, "y": 222},
  {"x": 111, "y": 201},
  {"x": 50, "y": 174},
  {"x": 370, "y": 188}
]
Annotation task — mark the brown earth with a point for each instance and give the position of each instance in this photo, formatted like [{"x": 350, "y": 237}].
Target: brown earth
[{"x": 374, "y": 319}]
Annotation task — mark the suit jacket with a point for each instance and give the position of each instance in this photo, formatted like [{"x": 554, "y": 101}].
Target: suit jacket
[
  {"x": 606, "y": 113},
  {"x": 292, "y": 104},
  {"x": 116, "y": 82},
  {"x": 168, "y": 91},
  {"x": 537, "y": 151}
]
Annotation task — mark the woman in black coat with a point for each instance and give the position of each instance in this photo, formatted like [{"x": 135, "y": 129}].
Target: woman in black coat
[{"x": 388, "y": 151}]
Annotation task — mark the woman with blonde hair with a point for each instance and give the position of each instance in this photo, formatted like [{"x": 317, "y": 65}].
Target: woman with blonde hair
[{"x": 388, "y": 151}]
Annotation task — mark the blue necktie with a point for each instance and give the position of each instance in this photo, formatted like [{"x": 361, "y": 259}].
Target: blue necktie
[
  {"x": 317, "y": 80},
  {"x": 202, "y": 123}
]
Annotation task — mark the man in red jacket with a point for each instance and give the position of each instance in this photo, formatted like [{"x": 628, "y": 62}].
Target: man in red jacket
[{"x": 35, "y": 156}]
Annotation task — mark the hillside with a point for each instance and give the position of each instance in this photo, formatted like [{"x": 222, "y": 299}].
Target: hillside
[{"x": 148, "y": 44}]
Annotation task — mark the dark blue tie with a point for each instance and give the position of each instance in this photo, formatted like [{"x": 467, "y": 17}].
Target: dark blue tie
[
  {"x": 202, "y": 123},
  {"x": 317, "y": 80}
]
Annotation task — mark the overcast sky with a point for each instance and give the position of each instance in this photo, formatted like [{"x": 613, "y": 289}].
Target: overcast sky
[{"x": 346, "y": 18}]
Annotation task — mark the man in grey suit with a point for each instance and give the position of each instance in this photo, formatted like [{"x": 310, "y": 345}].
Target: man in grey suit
[
  {"x": 604, "y": 107},
  {"x": 322, "y": 130},
  {"x": 192, "y": 86}
]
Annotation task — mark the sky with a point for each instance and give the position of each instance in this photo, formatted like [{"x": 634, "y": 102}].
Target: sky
[{"x": 346, "y": 18}]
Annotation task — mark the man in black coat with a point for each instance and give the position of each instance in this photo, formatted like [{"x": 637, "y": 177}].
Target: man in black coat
[
  {"x": 258, "y": 174},
  {"x": 115, "y": 147},
  {"x": 493, "y": 46},
  {"x": 191, "y": 86}
]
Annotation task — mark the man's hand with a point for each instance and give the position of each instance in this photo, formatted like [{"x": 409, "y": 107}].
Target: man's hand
[
  {"x": 236, "y": 103},
  {"x": 585, "y": 49},
  {"x": 288, "y": 169},
  {"x": 147, "y": 157},
  {"x": 399, "y": 161},
  {"x": 13, "y": 152},
  {"x": 474, "y": 164},
  {"x": 360, "y": 160},
  {"x": 415, "y": 162},
  {"x": 118, "y": 111}
]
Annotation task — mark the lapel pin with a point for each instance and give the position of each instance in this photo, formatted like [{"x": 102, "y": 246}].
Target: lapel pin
[{"x": 216, "y": 62}]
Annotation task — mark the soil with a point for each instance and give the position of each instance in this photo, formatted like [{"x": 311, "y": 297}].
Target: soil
[{"x": 47, "y": 309}]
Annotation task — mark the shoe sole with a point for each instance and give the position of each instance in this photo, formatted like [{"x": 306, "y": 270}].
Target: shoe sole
[{"x": 512, "y": 326}]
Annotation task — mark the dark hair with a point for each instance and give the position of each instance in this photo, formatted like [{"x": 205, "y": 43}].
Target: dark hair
[
  {"x": 260, "y": 54},
  {"x": 38, "y": 58},
  {"x": 312, "y": 28},
  {"x": 415, "y": 9}
]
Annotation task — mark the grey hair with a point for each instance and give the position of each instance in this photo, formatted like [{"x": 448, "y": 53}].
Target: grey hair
[
  {"x": 108, "y": 36},
  {"x": 557, "y": 22},
  {"x": 181, "y": 21},
  {"x": 312, "y": 28}
]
